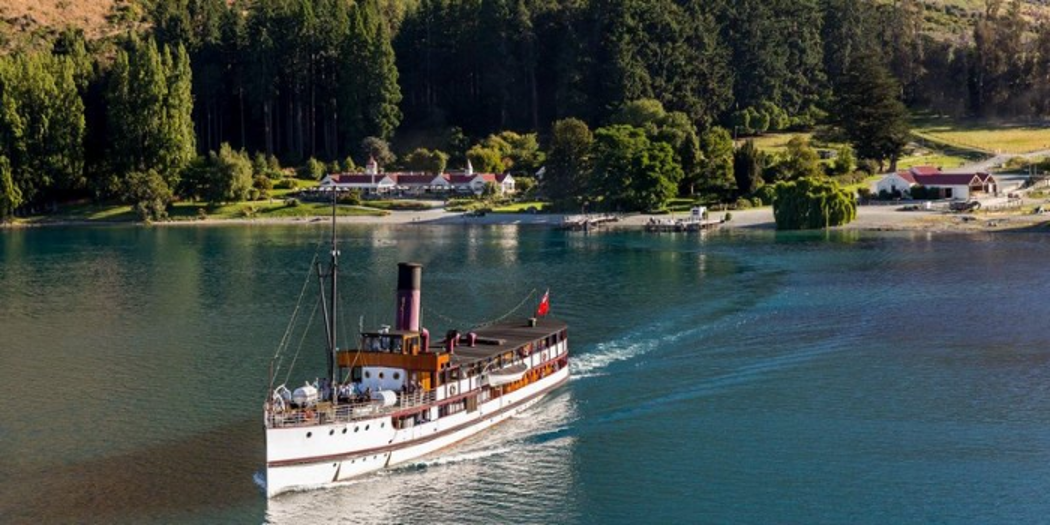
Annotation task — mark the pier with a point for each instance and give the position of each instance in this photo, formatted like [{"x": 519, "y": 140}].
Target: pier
[
  {"x": 587, "y": 222},
  {"x": 690, "y": 224}
]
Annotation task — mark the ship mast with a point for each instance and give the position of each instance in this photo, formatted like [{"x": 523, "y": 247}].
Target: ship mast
[{"x": 329, "y": 308}]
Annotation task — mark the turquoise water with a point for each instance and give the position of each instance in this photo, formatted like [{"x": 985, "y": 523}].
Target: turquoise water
[{"x": 738, "y": 377}]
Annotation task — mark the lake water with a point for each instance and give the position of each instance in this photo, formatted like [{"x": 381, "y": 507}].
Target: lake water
[{"x": 736, "y": 377}]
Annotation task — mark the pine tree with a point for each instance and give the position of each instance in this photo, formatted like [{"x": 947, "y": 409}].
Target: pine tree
[
  {"x": 150, "y": 111},
  {"x": 870, "y": 112},
  {"x": 384, "y": 93},
  {"x": 41, "y": 125},
  {"x": 748, "y": 165},
  {"x": 566, "y": 175}
]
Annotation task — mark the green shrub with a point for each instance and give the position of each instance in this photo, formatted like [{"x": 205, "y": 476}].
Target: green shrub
[
  {"x": 765, "y": 193},
  {"x": 291, "y": 202},
  {"x": 313, "y": 169},
  {"x": 728, "y": 217},
  {"x": 742, "y": 204},
  {"x": 285, "y": 184},
  {"x": 353, "y": 198}
]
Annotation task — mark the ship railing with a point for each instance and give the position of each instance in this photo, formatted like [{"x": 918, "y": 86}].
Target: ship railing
[{"x": 345, "y": 412}]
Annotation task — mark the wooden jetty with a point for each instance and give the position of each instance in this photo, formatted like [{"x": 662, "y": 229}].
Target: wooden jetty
[
  {"x": 689, "y": 224},
  {"x": 587, "y": 222}
]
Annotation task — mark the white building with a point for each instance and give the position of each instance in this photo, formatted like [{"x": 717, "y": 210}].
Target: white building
[
  {"x": 366, "y": 184},
  {"x": 963, "y": 186}
]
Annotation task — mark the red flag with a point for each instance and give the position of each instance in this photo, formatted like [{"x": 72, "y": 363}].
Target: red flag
[{"x": 545, "y": 304}]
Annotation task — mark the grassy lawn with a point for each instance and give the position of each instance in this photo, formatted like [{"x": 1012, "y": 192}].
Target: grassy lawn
[
  {"x": 943, "y": 160},
  {"x": 399, "y": 204},
  {"x": 777, "y": 142},
  {"x": 988, "y": 137},
  {"x": 866, "y": 183},
  {"x": 190, "y": 211},
  {"x": 518, "y": 208}
]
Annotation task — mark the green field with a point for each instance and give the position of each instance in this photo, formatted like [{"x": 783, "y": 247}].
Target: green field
[
  {"x": 941, "y": 160},
  {"x": 987, "y": 137},
  {"x": 777, "y": 142},
  {"x": 519, "y": 208},
  {"x": 190, "y": 211}
]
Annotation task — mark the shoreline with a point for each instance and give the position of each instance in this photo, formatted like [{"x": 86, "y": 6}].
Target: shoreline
[{"x": 869, "y": 219}]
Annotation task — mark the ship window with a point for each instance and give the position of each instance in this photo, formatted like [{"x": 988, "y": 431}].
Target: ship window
[
  {"x": 309, "y": 434},
  {"x": 380, "y": 375},
  {"x": 397, "y": 376},
  {"x": 344, "y": 430},
  {"x": 331, "y": 432},
  {"x": 368, "y": 374},
  {"x": 356, "y": 428},
  {"x": 383, "y": 424},
  {"x": 368, "y": 426}
]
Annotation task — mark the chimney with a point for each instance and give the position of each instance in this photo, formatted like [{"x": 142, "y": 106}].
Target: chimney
[{"x": 409, "y": 279}]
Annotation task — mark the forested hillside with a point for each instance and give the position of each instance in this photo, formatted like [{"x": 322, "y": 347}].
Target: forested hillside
[{"x": 87, "y": 111}]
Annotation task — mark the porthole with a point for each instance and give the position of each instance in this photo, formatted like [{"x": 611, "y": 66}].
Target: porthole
[
  {"x": 368, "y": 374},
  {"x": 380, "y": 375},
  {"x": 397, "y": 376},
  {"x": 309, "y": 434},
  {"x": 356, "y": 429},
  {"x": 383, "y": 424},
  {"x": 344, "y": 430},
  {"x": 331, "y": 432},
  {"x": 368, "y": 426}
]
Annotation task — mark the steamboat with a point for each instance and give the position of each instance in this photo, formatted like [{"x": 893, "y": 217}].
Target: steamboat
[{"x": 400, "y": 394}]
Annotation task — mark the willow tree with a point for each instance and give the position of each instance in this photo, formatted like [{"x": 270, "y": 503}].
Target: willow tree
[{"x": 811, "y": 203}]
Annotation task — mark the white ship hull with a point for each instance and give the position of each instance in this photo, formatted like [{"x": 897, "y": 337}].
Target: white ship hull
[{"x": 338, "y": 452}]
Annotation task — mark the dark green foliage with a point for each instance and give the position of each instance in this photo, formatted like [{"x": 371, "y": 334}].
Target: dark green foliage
[
  {"x": 428, "y": 161},
  {"x": 845, "y": 161},
  {"x": 812, "y": 203},
  {"x": 486, "y": 159},
  {"x": 149, "y": 111},
  {"x": 352, "y": 198},
  {"x": 315, "y": 79},
  {"x": 285, "y": 184},
  {"x": 631, "y": 172},
  {"x": 312, "y": 170},
  {"x": 41, "y": 125},
  {"x": 222, "y": 177},
  {"x": 870, "y": 111},
  {"x": 567, "y": 173},
  {"x": 717, "y": 172},
  {"x": 263, "y": 184},
  {"x": 748, "y": 164},
  {"x": 149, "y": 195},
  {"x": 10, "y": 195},
  {"x": 798, "y": 161},
  {"x": 375, "y": 148},
  {"x": 921, "y": 192},
  {"x": 525, "y": 186}
]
